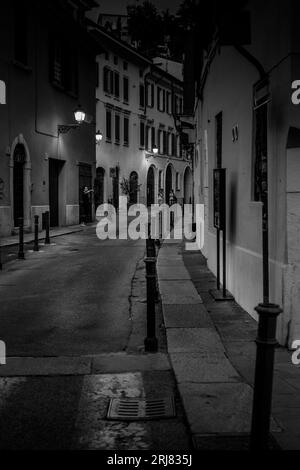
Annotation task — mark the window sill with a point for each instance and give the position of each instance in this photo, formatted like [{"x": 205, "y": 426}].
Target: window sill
[
  {"x": 22, "y": 66},
  {"x": 117, "y": 142},
  {"x": 108, "y": 141},
  {"x": 126, "y": 144}
]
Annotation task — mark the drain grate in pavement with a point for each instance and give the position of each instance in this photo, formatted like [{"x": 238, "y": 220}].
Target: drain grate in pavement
[{"x": 133, "y": 409}]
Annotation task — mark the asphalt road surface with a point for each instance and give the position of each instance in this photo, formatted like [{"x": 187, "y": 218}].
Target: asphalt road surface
[{"x": 71, "y": 298}]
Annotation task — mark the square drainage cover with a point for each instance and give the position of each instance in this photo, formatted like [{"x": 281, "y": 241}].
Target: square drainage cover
[{"x": 133, "y": 409}]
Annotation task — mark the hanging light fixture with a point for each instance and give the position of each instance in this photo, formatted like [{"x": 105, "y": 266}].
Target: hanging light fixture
[
  {"x": 155, "y": 149},
  {"x": 79, "y": 115},
  {"x": 99, "y": 137}
]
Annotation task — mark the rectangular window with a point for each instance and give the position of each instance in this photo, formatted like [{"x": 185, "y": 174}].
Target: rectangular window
[
  {"x": 117, "y": 128},
  {"x": 147, "y": 137},
  {"x": 117, "y": 84},
  {"x": 63, "y": 64},
  {"x": 142, "y": 134},
  {"x": 218, "y": 123},
  {"x": 165, "y": 143},
  {"x": 163, "y": 108},
  {"x": 149, "y": 94},
  {"x": 152, "y": 137},
  {"x": 142, "y": 96},
  {"x": 125, "y": 89},
  {"x": 173, "y": 145},
  {"x": 108, "y": 125},
  {"x": 21, "y": 32},
  {"x": 158, "y": 98},
  {"x": 106, "y": 80},
  {"x": 168, "y": 96},
  {"x": 125, "y": 65},
  {"x": 126, "y": 131}
]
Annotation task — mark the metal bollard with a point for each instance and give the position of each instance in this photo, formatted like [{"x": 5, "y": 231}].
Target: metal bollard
[
  {"x": 262, "y": 397},
  {"x": 47, "y": 224},
  {"x": 150, "y": 247},
  {"x": 21, "y": 238},
  {"x": 36, "y": 233},
  {"x": 151, "y": 340}
]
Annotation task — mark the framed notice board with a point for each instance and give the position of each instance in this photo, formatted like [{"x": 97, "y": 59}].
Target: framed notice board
[{"x": 219, "y": 198}]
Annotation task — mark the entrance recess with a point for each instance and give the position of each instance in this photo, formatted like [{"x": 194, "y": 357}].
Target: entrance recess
[
  {"x": 55, "y": 167},
  {"x": 85, "y": 180},
  {"x": 18, "y": 182}
]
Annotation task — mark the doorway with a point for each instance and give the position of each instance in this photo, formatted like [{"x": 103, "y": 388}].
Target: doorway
[
  {"x": 85, "y": 180},
  {"x": 115, "y": 183},
  {"x": 18, "y": 182},
  {"x": 133, "y": 187},
  {"x": 188, "y": 186},
  {"x": 55, "y": 167},
  {"x": 99, "y": 187},
  {"x": 150, "y": 187}
]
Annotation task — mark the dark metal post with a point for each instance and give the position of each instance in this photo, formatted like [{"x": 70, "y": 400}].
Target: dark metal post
[
  {"x": 21, "y": 238},
  {"x": 151, "y": 340},
  {"x": 36, "y": 233},
  {"x": 262, "y": 397},
  {"x": 218, "y": 259},
  {"x": 47, "y": 226},
  {"x": 0, "y": 259},
  {"x": 224, "y": 260}
]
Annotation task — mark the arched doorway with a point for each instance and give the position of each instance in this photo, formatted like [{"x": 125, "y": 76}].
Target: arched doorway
[
  {"x": 133, "y": 187},
  {"x": 168, "y": 183},
  {"x": 188, "y": 186},
  {"x": 19, "y": 159},
  {"x": 150, "y": 186},
  {"x": 99, "y": 187}
]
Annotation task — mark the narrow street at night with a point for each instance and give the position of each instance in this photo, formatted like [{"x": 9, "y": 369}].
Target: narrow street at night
[
  {"x": 73, "y": 318},
  {"x": 70, "y": 298},
  {"x": 150, "y": 229}
]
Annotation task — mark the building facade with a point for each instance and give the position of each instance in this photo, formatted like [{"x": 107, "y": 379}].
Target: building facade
[
  {"x": 137, "y": 109},
  {"x": 247, "y": 123},
  {"x": 47, "y": 62}
]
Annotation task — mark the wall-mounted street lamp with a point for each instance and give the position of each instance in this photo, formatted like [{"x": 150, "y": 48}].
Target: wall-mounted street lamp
[
  {"x": 155, "y": 149},
  {"x": 99, "y": 137},
  {"x": 79, "y": 115}
]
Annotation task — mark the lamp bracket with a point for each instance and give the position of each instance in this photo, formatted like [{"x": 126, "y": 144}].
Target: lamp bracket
[{"x": 64, "y": 128}]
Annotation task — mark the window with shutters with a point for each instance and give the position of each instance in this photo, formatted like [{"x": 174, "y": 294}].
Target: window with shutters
[
  {"x": 126, "y": 131},
  {"x": 117, "y": 84},
  {"x": 64, "y": 64},
  {"x": 142, "y": 134},
  {"x": 117, "y": 128},
  {"x": 142, "y": 96},
  {"x": 125, "y": 89},
  {"x": 108, "y": 125}
]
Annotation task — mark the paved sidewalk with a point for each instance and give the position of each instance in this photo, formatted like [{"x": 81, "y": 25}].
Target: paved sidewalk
[
  {"x": 29, "y": 237},
  {"x": 212, "y": 351}
]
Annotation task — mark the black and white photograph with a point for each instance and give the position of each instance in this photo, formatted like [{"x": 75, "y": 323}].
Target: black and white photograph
[{"x": 150, "y": 229}]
